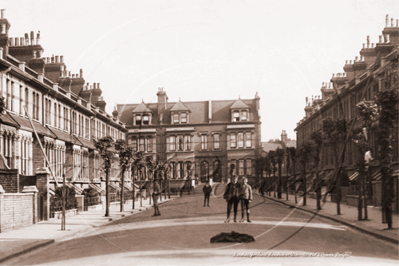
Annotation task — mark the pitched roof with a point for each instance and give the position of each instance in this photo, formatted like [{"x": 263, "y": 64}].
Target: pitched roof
[
  {"x": 142, "y": 108},
  {"x": 239, "y": 104},
  {"x": 179, "y": 106}
]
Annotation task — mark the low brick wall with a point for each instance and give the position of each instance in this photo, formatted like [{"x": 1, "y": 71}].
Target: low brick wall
[{"x": 17, "y": 210}]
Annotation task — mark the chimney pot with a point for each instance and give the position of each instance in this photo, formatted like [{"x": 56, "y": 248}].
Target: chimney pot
[
  {"x": 16, "y": 41},
  {"x": 98, "y": 85},
  {"x": 386, "y": 21},
  {"x": 3, "y": 11},
  {"x": 81, "y": 73},
  {"x": 32, "y": 38},
  {"x": 37, "y": 38},
  {"x": 364, "y": 45},
  {"x": 21, "y": 41},
  {"x": 11, "y": 41},
  {"x": 56, "y": 58},
  {"x": 392, "y": 22},
  {"x": 61, "y": 59},
  {"x": 380, "y": 38}
]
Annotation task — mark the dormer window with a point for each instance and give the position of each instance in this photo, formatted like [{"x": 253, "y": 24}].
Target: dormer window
[
  {"x": 146, "y": 119},
  {"x": 176, "y": 119},
  {"x": 243, "y": 115},
  {"x": 236, "y": 116},
  {"x": 183, "y": 117},
  {"x": 138, "y": 119}
]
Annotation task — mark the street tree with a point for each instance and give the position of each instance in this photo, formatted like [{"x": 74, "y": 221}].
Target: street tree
[
  {"x": 317, "y": 138},
  {"x": 105, "y": 146},
  {"x": 305, "y": 152},
  {"x": 273, "y": 162},
  {"x": 279, "y": 156},
  {"x": 125, "y": 154},
  {"x": 387, "y": 101},
  {"x": 138, "y": 166},
  {"x": 334, "y": 131},
  {"x": 293, "y": 158}
]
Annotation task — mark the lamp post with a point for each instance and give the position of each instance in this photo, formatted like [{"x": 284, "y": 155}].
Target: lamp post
[{"x": 286, "y": 173}]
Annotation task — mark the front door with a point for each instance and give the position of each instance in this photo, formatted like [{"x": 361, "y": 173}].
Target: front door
[
  {"x": 217, "y": 172},
  {"x": 204, "y": 172}
]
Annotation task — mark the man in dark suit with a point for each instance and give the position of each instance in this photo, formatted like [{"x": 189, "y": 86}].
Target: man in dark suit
[{"x": 231, "y": 195}]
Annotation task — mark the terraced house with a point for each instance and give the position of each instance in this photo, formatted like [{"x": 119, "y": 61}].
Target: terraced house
[
  {"x": 66, "y": 113},
  {"x": 374, "y": 70},
  {"x": 200, "y": 138}
]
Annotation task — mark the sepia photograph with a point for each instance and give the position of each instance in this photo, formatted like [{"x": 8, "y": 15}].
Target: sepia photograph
[{"x": 199, "y": 132}]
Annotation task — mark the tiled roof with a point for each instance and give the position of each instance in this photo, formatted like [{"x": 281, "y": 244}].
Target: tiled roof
[
  {"x": 65, "y": 136},
  {"x": 179, "y": 106},
  {"x": 25, "y": 125},
  {"x": 142, "y": 108},
  {"x": 239, "y": 104}
]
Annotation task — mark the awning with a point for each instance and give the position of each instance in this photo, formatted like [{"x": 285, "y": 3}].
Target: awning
[
  {"x": 353, "y": 176},
  {"x": 377, "y": 176},
  {"x": 25, "y": 125},
  {"x": 64, "y": 136},
  {"x": 86, "y": 143}
]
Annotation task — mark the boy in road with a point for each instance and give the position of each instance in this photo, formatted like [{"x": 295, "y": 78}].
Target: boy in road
[
  {"x": 231, "y": 196},
  {"x": 207, "y": 193},
  {"x": 245, "y": 198}
]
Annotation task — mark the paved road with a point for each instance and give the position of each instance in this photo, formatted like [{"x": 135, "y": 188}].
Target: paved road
[{"x": 181, "y": 235}]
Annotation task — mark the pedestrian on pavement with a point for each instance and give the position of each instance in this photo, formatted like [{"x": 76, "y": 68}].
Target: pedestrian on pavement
[
  {"x": 245, "y": 198},
  {"x": 155, "y": 194},
  {"x": 231, "y": 196},
  {"x": 207, "y": 193}
]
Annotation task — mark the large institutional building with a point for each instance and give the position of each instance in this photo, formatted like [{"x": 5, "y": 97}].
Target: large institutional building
[
  {"x": 66, "y": 114},
  {"x": 371, "y": 72},
  {"x": 211, "y": 136}
]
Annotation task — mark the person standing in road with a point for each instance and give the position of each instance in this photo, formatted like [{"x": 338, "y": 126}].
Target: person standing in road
[
  {"x": 231, "y": 196},
  {"x": 245, "y": 198},
  {"x": 155, "y": 194},
  {"x": 207, "y": 193}
]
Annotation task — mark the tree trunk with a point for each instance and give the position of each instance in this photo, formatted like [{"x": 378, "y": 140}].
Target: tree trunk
[
  {"x": 286, "y": 181},
  {"x": 318, "y": 189},
  {"x": 107, "y": 193},
  {"x": 123, "y": 190},
  {"x": 338, "y": 198},
  {"x": 304, "y": 185},
  {"x": 279, "y": 181},
  {"x": 134, "y": 190}
]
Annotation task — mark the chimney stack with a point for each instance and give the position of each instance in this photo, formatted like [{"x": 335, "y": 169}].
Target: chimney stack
[
  {"x": 37, "y": 38},
  {"x": 32, "y": 38},
  {"x": 3, "y": 11}
]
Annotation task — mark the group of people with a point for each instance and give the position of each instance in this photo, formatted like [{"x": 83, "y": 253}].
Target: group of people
[{"x": 234, "y": 193}]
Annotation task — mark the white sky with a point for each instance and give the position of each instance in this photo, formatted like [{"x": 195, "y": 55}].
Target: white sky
[{"x": 201, "y": 50}]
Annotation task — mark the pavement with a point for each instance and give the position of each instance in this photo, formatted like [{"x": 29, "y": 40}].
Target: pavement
[
  {"x": 16, "y": 242},
  {"x": 20, "y": 241},
  {"x": 349, "y": 216}
]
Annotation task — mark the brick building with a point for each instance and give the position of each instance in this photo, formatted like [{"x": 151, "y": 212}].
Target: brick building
[
  {"x": 363, "y": 78},
  {"x": 209, "y": 135},
  {"x": 66, "y": 113}
]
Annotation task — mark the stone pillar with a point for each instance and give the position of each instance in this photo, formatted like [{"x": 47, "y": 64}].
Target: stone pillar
[
  {"x": 42, "y": 184},
  {"x": 33, "y": 189}
]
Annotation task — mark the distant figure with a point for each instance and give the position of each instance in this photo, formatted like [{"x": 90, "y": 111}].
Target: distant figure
[
  {"x": 155, "y": 195},
  {"x": 207, "y": 193},
  {"x": 231, "y": 196},
  {"x": 245, "y": 198}
]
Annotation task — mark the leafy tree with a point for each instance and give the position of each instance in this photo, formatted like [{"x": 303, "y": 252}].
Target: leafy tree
[
  {"x": 273, "y": 162},
  {"x": 305, "y": 152},
  {"x": 334, "y": 131},
  {"x": 125, "y": 154},
  {"x": 105, "y": 147},
  {"x": 139, "y": 164},
  {"x": 317, "y": 138},
  {"x": 387, "y": 101},
  {"x": 293, "y": 157},
  {"x": 279, "y": 155}
]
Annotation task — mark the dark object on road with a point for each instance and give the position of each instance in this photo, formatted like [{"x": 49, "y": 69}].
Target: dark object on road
[{"x": 232, "y": 237}]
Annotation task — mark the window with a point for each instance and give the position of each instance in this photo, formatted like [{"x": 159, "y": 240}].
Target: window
[
  {"x": 134, "y": 144},
  {"x": 146, "y": 119},
  {"x": 34, "y": 107},
  {"x": 24, "y": 157},
  {"x": 204, "y": 142},
  {"x": 87, "y": 129},
  {"x": 180, "y": 143},
  {"x": 21, "y": 100},
  {"x": 249, "y": 167},
  {"x": 233, "y": 140},
  {"x": 172, "y": 143},
  {"x": 183, "y": 117},
  {"x": 240, "y": 137},
  {"x": 66, "y": 119},
  {"x": 187, "y": 142},
  {"x": 176, "y": 118},
  {"x": 243, "y": 115},
  {"x": 59, "y": 117},
  {"x": 36, "y": 110},
  {"x": 141, "y": 144},
  {"x": 55, "y": 115},
  {"x": 248, "y": 141},
  {"x": 8, "y": 102},
  {"x": 149, "y": 144},
  {"x": 236, "y": 116},
  {"x": 8, "y": 145},
  {"x": 241, "y": 167},
  {"x": 179, "y": 170},
  {"x": 138, "y": 119},
  {"x": 216, "y": 141},
  {"x": 26, "y": 100}
]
